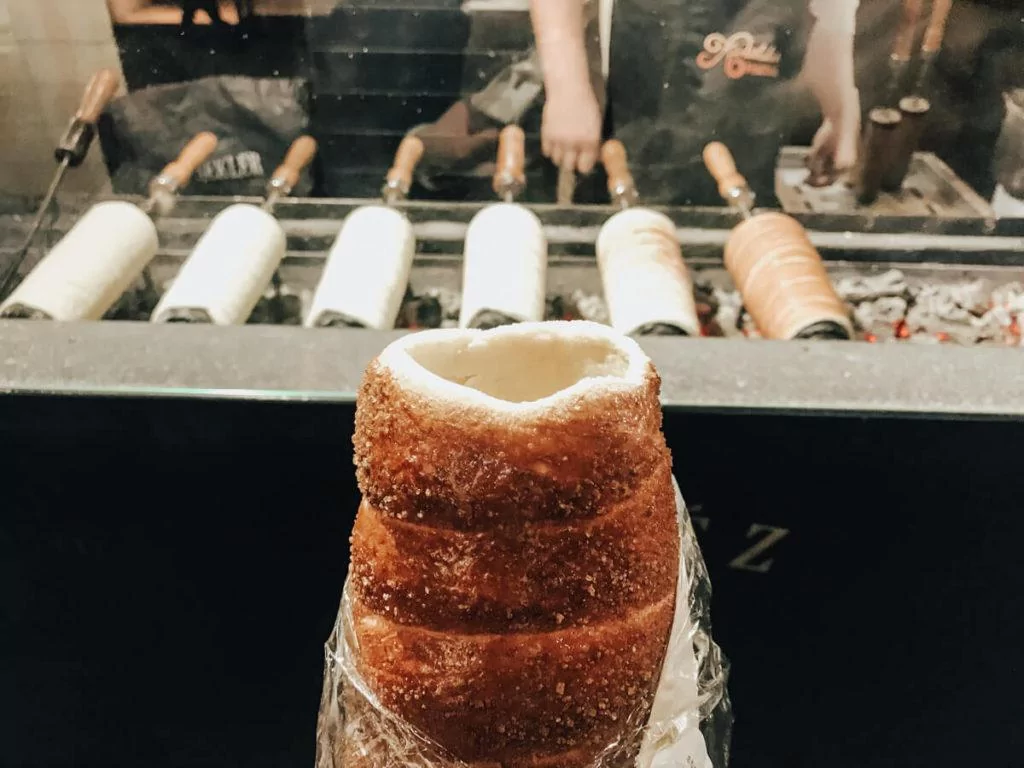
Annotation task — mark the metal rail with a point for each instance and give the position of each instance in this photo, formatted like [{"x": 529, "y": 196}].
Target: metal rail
[{"x": 121, "y": 359}]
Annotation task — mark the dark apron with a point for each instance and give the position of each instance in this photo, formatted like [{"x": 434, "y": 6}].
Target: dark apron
[
  {"x": 719, "y": 79},
  {"x": 983, "y": 56},
  {"x": 667, "y": 96}
]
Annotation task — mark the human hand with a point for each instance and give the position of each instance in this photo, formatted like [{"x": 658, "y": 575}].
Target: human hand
[
  {"x": 571, "y": 129},
  {"x": 837, "y": 142},
  {"x": 829, "y": 74}
]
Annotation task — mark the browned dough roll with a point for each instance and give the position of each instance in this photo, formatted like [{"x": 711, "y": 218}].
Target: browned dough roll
[{"x": 515, "y": 558}]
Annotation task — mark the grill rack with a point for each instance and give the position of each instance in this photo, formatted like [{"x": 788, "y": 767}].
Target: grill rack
[{"x": 132, "y": 359}]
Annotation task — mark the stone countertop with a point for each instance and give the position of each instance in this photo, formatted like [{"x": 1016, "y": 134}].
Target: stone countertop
[{"x": 296, "y": 364}]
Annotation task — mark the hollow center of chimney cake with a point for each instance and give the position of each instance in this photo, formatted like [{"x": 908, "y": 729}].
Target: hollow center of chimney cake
[{"x": 519, "y": 368}]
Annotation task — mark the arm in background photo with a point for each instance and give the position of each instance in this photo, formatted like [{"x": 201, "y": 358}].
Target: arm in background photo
[
  {"x": 572, "y": 121},
  {"x": 466, "y": 136},
  {"x": 828, "y": 71}
]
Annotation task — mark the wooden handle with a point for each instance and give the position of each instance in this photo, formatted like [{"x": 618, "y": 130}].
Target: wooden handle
[
  {"x": 616, "y": 165},
  {"x": 936, "y": 30},
  {"x": 195, "y": 153},
  {"x": 903, "y": 45},
  {"x": 408, "y": 156},
  {"x": 511, "y": 157},
  {"x": 97, "y": 95},
  {"x": 720, "y": 164},
  {"x": 300, "y": 154}
]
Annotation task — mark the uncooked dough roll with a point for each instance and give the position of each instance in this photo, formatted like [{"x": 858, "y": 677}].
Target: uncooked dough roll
[
  {"x": 229, "y": 269},
  {"x": 505, "y": 262},
  {"x": 367, "y": 270},
  {"x": 644, "y": 277},
  {"x": 90, "y": 267}
]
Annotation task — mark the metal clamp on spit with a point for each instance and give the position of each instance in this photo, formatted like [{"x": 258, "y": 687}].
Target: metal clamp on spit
[
  {"x": 71, "y": 151},
  {"x": 368, "y": 267},
  {"x": 646, "y": 284},
  {"x": 775, "y": 267},
  {"x": 505, "y": 256},
  {"x": 237, "y": 257},
  {"x": 107, "y": 250}
]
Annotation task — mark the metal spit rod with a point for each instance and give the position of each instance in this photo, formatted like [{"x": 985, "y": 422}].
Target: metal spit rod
[
  {"x": 300, "y": 154},
  {"x": 70, "y": 152}
]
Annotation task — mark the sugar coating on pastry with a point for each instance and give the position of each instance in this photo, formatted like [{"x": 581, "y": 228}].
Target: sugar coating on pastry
[
  {"x": 515, "y": 558},
  {"x": 480, "y": 372}
]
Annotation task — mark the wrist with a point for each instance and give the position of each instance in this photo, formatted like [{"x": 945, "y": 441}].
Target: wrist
[{"x": 568, "y": 87}]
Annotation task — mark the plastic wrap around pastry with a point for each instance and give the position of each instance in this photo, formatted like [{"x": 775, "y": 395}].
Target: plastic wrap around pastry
[{"x": 516, "y": 554}]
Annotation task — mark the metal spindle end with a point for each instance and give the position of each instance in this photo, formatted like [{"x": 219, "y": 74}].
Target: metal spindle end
[
  {"x": 508, "y": 186},
  {"x": 622, "y": 187},
  {"x": 742, "y": 199},
  {"x": 732, "y": 186},
  {"x": 624, "y": 196},
  {"x": 163, "y": 196},
  {"x": 398, "y": 181},
  {"x": 394, "y": 190}
]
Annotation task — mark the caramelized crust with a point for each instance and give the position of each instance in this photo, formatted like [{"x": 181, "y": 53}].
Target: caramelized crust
[
  {"x": 417, "y": 462},
  {"x": 504, "y": 697},
  {"x": 527, "y": 578},
  {"x": 514, "y": 562}
]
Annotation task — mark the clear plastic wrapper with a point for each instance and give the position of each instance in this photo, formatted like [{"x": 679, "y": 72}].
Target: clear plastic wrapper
[{"x": 689, "y": 724}]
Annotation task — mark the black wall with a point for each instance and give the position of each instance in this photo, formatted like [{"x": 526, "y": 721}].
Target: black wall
[{"x": 169, "y": 571}]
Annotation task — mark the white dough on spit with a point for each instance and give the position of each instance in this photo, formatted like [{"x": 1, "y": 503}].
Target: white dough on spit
[
  {"x": 92, "y": 265},
  {"x": 367, "y": 269},
  {"x": 505, "y": 261},
  {"x": 230, "y": 267},
  {"x": 644, "y": 276}
]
